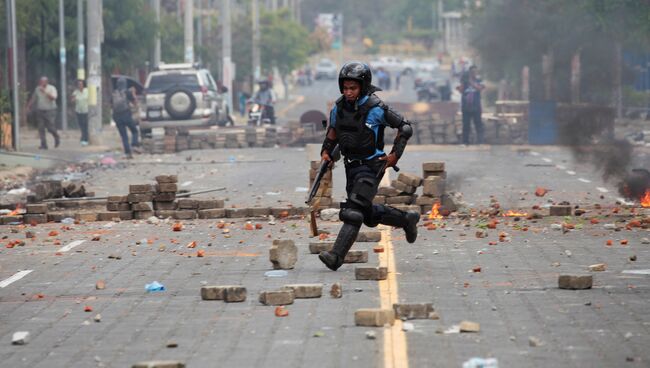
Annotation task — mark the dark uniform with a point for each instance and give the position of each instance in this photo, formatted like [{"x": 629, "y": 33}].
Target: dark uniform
[{"x": 359, "y": 128}]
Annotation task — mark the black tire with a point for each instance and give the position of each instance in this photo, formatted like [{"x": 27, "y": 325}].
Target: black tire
[{"x": 173, "y": 111}]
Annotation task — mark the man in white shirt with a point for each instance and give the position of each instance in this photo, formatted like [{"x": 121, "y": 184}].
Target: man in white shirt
[{"x": 45, "y": 96}]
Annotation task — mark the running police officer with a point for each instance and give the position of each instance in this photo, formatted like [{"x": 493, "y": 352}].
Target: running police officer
[{"x": 357, "y": 123}]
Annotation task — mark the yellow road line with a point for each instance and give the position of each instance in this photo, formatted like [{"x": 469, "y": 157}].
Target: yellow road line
[{"x": 395, "y": 349}]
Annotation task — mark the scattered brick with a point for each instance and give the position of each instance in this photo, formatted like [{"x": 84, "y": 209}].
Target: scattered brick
[
  {"x": 86, "y": 216},
  {"x": 374, "y": 317},
  {"x": 117, "y": 199},
  {"x": 234, "y": 294},
  {"x": 433, "y": 186},
  {"x": 139, "y": 197},
  {"x": 305, "y": 291},
  {"x": 560, "y": 210},
  {"x": 140, "y": 188},
  {"x": 259, "y": 211},
  {"x": 205, "y": 204},
  {"x": 371, "y": 273},
  {"x": 468, "y": 326},
  {"x": 118, "y": 206},
  {"x": 336, "y": 291},
  {"x": 281, "y": 297},
  {"x": 237, "y": 212},
  {"x": 212, "y": 213},
  {"x": 575, "y": 282},
  {"x": 321, "y": 246},
  {"x": 410, "y": 179},
  {"x": 369, "y": 236},
  {"x": 37, "y": 208},
  {"x": 356, "y": 256},
  {"x": 214, "y": 292},
  {"x": 163, "y": 179},
  {"x": 164, "y": 197},
  {"x": 433, "y": 166},
  {"x": 185, "y": 214},
  {"x": 167, "y": 188},
  {"x": 35, "y": 218},
  {"x": 142, "y": 215},
  {"x": 142, "y": 206}
]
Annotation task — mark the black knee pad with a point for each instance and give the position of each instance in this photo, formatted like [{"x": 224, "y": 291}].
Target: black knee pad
[
  {"x": 363, "y": 192},
  {"x": 351, "y": 216}
]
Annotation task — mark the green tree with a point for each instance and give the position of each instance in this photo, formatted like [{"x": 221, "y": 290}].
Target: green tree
[{"x": 285, "y": 44}]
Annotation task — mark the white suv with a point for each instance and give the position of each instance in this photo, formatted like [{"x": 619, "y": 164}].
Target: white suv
[{"x": 182, "y": 95}]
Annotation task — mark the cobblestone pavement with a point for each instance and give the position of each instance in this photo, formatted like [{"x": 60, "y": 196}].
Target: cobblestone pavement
[{"x": 514, "y": 297}]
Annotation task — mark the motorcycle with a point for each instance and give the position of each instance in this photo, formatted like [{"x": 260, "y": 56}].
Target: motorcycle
[{"x": 257, "y": 115}]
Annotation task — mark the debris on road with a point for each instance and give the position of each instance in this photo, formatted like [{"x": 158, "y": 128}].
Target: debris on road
[
  {"x": 305, "y": 291},
  {"x": 336, "y": 291},
  {"x": 20, "y": 338},
  {"x": 280, "y": 297},
  {"x": 371, "y": 273},
  {"x": 468, "y": 326},
  {"x": 281, "y": 311},
  {"x": 283, "y": 254},
  {"x": 575, "y": 282},
  {"x": 154, "y": 287},
  {"x": 374, "y": 317},
  {"x": 413, "y": 311},
  {"x": 598, "y": 267}
]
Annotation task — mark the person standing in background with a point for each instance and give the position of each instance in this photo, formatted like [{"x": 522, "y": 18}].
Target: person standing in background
[
  {"x": 80, "y": 99},
  {"x": 470, "y": 89},
  {"x": 45, "y": 96}
]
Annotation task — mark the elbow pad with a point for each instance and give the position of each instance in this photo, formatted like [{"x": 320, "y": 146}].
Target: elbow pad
[
  {"x": 399, "y": 145},
  {"x": 393, "y": 119}
]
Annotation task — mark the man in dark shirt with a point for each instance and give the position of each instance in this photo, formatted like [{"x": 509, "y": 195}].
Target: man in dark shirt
[{"x": 470, "y": 89}]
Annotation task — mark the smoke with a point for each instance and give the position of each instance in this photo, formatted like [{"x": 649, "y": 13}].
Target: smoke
[{"x": 589, "y": 132}]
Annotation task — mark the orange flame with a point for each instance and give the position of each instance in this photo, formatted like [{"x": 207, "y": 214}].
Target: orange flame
[
  {"x": 435, "y": 214},
  {"x": 645, "y": 200},
  {"x": 16, "y": 211},
  {"x": 512, "y": 213}
]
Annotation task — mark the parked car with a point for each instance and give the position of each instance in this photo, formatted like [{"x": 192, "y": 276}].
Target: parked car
[
  {"x": 183, "y": 95},
  {"x": 326, "y": 69}
]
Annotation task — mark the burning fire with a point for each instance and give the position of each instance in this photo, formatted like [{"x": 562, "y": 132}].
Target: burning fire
[
  {"x": 512, "y": 213},
  {"x": 435, "y": 214},
  {"x": 15, "y": 212},
  {"x": 645, "y": 200}
]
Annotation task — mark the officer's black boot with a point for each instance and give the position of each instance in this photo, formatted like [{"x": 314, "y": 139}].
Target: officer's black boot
[
  {"x": 406, "y": 220},
  {"x": 347, "y": 235}
]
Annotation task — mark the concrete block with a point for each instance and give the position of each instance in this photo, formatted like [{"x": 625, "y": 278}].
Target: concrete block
[
  {"x": 283, "y": 254},
  {"x": 388, "y": 191},
  {"x": 110, "y": 216},
  {"x": 437, "y": 174},
  {"x": 426, "y": 201},
  {"x": 234, "y": 294},
  {"x": 118, "y": 206},
  {"x": 433, "y": 186},
  {"x": 259, "y": 211},
  {"x": 400, "y": 199},
  {"x": 237, "y": 212},
  {"x": 305, "y": 291},
  {"x": 208, "y": 204},
  {"x": 320, "y": 246},
  {"x": 575, "y": 282},
  {"x": 356, "y": 256},
  {"x": 164, "y": 179},
  {"x": 403, "y": 188},
  {"x": 215, "y": 292},
  {"x": 139, "y": 197},
  {"x": 167, "y": 188},
  {"x": 141, "y": 206},
  {"x": 369, "y": 236},
  {"x": 559, "y": 210},
  {"x": 280, "y": 297},
  {"x": 168, "y": 206},
  {"x": 34, "y": 218},
  {"x": 371, "y": 273},
  {"x": 212, "y": 213},
  {"x": 185, "y": 214},
  {"x": 164, "y": 197},
  {"x": 433, "y": 166},
  {"x": 187, "y": 204},
  {"x": 117, "y": 199},
  {"x": 410, "y": 179},
  {"x": 140, "y": 188},
  {"x": 37, "y": 208},
  {"x": 374, "y": 317},
  {"x": 414, "y": 311}
]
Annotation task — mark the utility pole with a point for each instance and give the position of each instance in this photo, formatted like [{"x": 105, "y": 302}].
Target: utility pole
[
  {"x": 257, "y": 69},
  {"x": 93, "y": 12},
  {"x": 81, "y": 68},
  {"x": 189, "y": 30},
  {"x": 62, "y": 57},
  {"x": 14, "y": 76},
  {"x": 199, "y": 25},
  {"x": 156, "y": 50},
  {"x": 227, "y": 75}
]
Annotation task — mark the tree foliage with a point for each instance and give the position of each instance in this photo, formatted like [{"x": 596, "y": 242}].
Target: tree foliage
[
  {"x": 285, "y": 44},
  {"x": 511, "y": 34}
]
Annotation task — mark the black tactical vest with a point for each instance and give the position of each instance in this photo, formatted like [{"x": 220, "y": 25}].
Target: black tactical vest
[{"x": 356, "y": 140}]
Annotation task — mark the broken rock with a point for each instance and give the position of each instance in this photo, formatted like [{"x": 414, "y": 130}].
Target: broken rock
[
  {"x": 20, "y": 338},
  {"x": 283, "y": 254},
  {"x": 413, "y": 311}
]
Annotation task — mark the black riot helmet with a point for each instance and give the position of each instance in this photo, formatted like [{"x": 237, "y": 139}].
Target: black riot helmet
[{"x": 359, "y": 72}]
